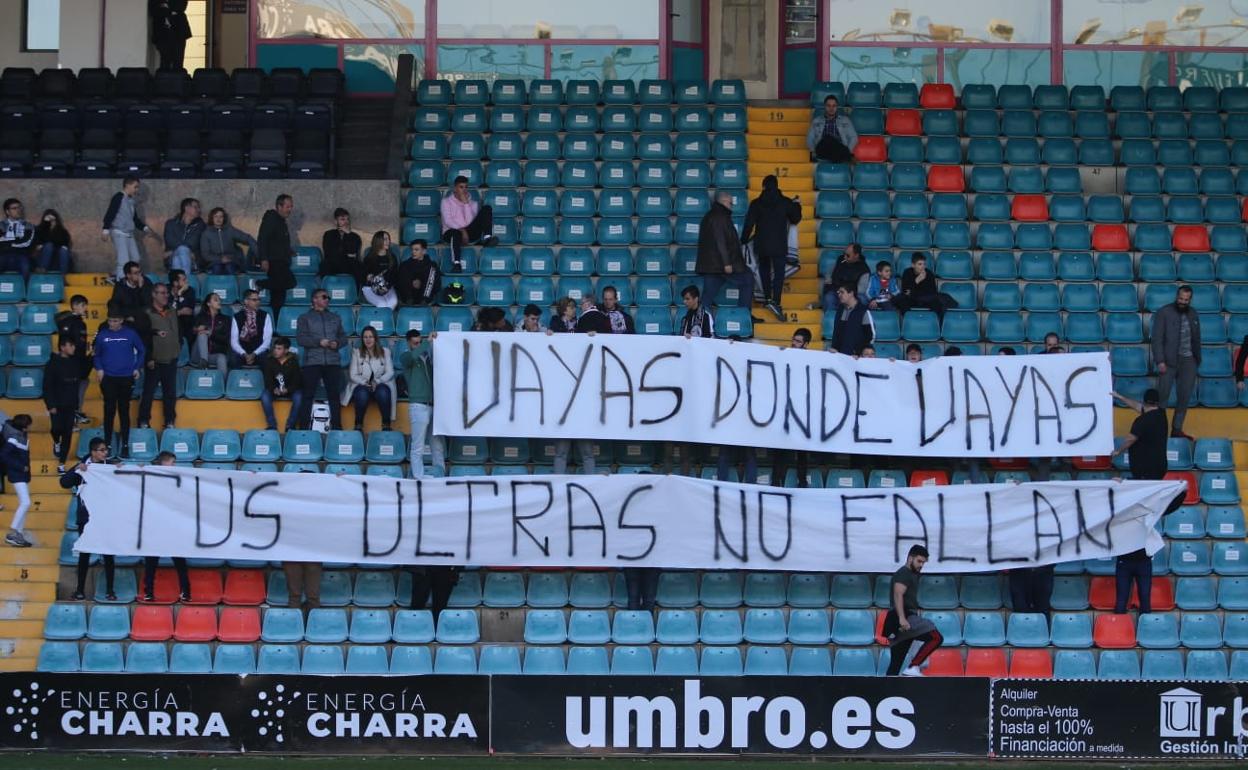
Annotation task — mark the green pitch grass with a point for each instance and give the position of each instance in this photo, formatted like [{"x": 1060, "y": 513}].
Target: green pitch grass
[{"x": 119, "y": 761}]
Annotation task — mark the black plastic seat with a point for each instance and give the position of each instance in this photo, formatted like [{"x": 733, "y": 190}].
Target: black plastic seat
[
  {"x": 286, "y": 84},
  {"x": 132, "y": 84},
  {"x": 210, "y": 83},
  {"x": 56, "y": 85},
  {"x": 270, "y": 115},
  {"x": 324, "y": 84},
  {"x": 313, "y": 117},
  {"x": 145, "y": 117},
  {"x": 95, "y": 83},
  {"x": 17, "y": 84},
  {"x": 185, "y": 116},
  {"x": 21, "y": 117},
  {"x": 169, "y": 85},
  {"x": 231, "y": 116},
  {"x": 62, "y": 115},
  {"x": 102, "y": 115},
  {"x": 247, "y": 84},
  {"x": 140, "y": 152}
]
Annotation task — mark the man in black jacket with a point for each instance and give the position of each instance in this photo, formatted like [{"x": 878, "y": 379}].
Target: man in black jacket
[
  {"x": 720, "y": 259},
  {"x": 170, "y": 31},
  {"x": 70, "y": 323},
  {"x": 767, "y": 225},
  {"x": 132, "y": 295},
  {"x": 853, "y": 328},
  {"x": 61, "y": 377},
  {"x": 621, "y": 322},
  {"x": 341, "y": 248},
  {"x": 73, "y": 479},
  {"x": 276, "y": 254},
  {"x": 419, "y": 280},
  {"x": 847, "y": 270}
]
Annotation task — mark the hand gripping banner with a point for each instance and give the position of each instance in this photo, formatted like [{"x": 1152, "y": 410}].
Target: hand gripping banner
[
  {"x": 611, "y": 521},
  {"x": 648, "y": 388}
]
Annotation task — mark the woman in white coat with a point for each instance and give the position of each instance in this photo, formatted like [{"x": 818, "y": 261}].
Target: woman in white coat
[{"x": 371, "y": 374}]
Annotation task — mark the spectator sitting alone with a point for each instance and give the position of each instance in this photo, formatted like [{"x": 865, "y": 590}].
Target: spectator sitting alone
[
  {"x": 465, "y": 221},
  {"x": 832, "y": 136}
]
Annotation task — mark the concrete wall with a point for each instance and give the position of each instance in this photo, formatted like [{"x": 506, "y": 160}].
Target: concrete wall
[
  {"x": 11, "y": 53},
  {"x": 374, "y": 205}
]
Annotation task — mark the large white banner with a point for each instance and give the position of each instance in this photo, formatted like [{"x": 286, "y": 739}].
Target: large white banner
[
  {"x": 611, "y": 521},
  {"x": 644, "y": 388}
]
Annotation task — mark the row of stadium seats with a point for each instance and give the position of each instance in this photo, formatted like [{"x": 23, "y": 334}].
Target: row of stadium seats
[
  {"x": 612, "y": 174},
  {"x": 506, "y": 91},
  {"x": 575, "y": 202},
  {"x": 1024, "y": 207},
  {"x": 729, "y": 144},
  {"x": 994, "y": 178},
  {"x": 632, "y": 660},
  {"x": 159, "y": 118},
  {"x": 1051, "y": 152},
  {"x": 543, "y": 122},
  {"x": 1048, "y": 124},
  {"x": 1031, "y": 236},
  {"x": 985, "y": 96},
  {"x": 139, "y": 84}
]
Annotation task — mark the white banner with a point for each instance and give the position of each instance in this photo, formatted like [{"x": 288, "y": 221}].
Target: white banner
[
  {"x": 611, "y": 521},
  {"x": 645, "y": 388}
]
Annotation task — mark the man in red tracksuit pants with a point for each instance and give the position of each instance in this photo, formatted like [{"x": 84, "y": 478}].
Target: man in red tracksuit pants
[{"x": 903, "y": 623}]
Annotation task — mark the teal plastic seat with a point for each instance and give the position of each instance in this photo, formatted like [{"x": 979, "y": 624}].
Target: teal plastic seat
[
  {"x": 458, "y": 627},
  {"x": 545, "y": 627},
  {"x": 24, "y": 383},
  {"x": 632, "y": 661},
  {"x": 808, "y": 590},
  {"x": 984, "y": 629},
  {"x": 197, "y": 658},
  {"x": 499, "y": 659},
  {"x": 411, "y": 660},
  {"x": 322, "y": 659},
  {"x": 1074, "y": 664},
  {"x": 588, "y": 661},
  {"x": 720, "y": 661},
  {"x": 809, "y": 626},
  {"x": 303, "y": 446},
  {"x": 981, "y": 592},
  {"x": 851, "y": 591},
  {"x": 228, "y": 659},
  {"x": 1162, "y": 664},
  {"x": 1206, "y": 665},
  {"x": 278, "y": 659},
  {"x": 455, "y": 660},
  {"x": 720, "y": 627},
  {"x": 326, "y": 625},
  {"x": 1158, "y": 631},
  {"x": 589, "y": 627},
  {"x": 766, "y": 661},
  {"x": 367, "y": 659},
  {"x": 816, "y": 661},
  {"x": 504, "y": 589},
  {"x": 853, "y": 627},
  {"x": 108, "y": 623},
  {"x": 1027, "y": 630},
  {"x": 678, "y": 627},
  {"x": 374, "y": 589},
  {"x": 764, "y": 626},
  {"x": 543, "y": 660},
  {"x": 1118, "y": 665},
  {"x": 101, "y": 657},
  {"x": 282, "y": 626},
  {"x": 1195, "y": 593},
  {"x": 1187, "y": 523},
  {"x": 413, "y": 627},
  {"x": 58, "y": 657},
  {"x": 261, "y": 446},
  {"x": 632, "y": 627},
  {"x": 65, "y": 622},
  {"x": 344, "y": 446},
  {"x": 1200, "y": 630}
]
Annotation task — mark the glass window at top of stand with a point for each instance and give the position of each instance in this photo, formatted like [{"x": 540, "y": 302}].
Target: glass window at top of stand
[
  {"x": 558, "y": 19},
  {"x": 1156, "y": 22},
  {"x": 930, "y": 21},
  {"x": 341, "y": 19},
  {"x": 800, "y": 20}
]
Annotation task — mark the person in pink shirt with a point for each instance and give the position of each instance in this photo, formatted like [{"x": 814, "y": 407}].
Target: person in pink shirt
[{"x": 465, "y": 221}]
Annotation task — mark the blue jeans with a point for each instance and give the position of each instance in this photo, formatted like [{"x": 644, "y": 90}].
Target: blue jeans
[
  {"x": 712, "y": 282},
  {"x": 270, "y": 419},
  {"x": 1126, "y": 572},
  {"x": 182, "y": 259},
  {"x": 16, "y": 262},
  {"x": 50, "y": 250},
  {"x": 360, "y": 398},
  {"x": 226, "y": 268}
]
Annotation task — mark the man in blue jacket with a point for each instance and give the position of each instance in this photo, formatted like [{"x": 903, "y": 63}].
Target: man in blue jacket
[{"x": 119, "y": 358}]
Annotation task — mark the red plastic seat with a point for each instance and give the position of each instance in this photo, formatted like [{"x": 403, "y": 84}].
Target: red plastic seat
[
  {"x": 1244, "y": 211},
  {"x": 1114, "y": 632},
  {"x": 1092, "y": 463},
  {"x": 165, "y": 587},
  {"x": 903, "y": 122},
  {"x": 1191, "y": 238},
  {"x": 151, "y": 623},
  {"x": 205, "y": 586},
  {"x": 946, "y": 179},
  {"x": 239, "y": 624},
  {"x": 1031, "y": 664},
  {"x": 1010, "y": 463},
  {"x": 196, "y": 624},
  {"x": 981, "y": 662},
  {"x": 929, "y": 479},
  {"x": 1030, "y": 208},
  {"x": 937, "y": 96},
  {"x": 1193, "y": 488},
  {"x": 871, "y": 149},
  {"x": 944, "y": 662},
  {"x": 1103, "y": 593},
  {"x": 1107, "y": 237},
  {"x": 244, "y": 587},
  {"x": 879, "y": 629}
]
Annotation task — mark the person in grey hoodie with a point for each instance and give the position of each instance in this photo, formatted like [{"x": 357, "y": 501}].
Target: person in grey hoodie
[
  {"x": 122, "y": 222},
  {"x": 218, "y": 246},
  {"x": 1176, "y": 353},
  {"x": 320, "y": 334},
  {"x": 832, "y": 136}
]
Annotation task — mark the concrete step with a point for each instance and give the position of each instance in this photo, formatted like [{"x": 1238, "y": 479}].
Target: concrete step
[
  {"x": 785, "y": 172},
  {"x": 794, "y": 129},
  {"x": 804, "y": 186},
  {"x": 772, "y": 155},
  {"x": 27, "y": 590},
  {"x": 86, "y": 279},
  {"x": 761, "y": 115},
  {"x": 28, "y": 573},
  {"x": 22, "y": 629},
  {"x": 42, "y": 554},
  {"x": 46, "y": 521},
  {"x": 755, "y": 141},
  {"x": 18, "y": 664},
  {"x": 15, "y": 610},
  {"x": 783, "y": 332},
  {"x": 20, "y": 647}
]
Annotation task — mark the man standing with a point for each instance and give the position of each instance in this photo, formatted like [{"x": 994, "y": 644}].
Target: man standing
[
  {"x": 903, "y": 624},
  {"x": 70, "y": 324},
  {"x": 61, "y": 378},
  {"x": 165, "y": 459},
  {"x": 282, "y": 379},
  {"x": 849, "y": 269},
  {"x": 1176, "y": 353},
  {"x": 320, "y": 334},
  {"x": 16, "y": 240},
  {"x": 853, "y": 328},
  {"x": 1145, "y": 447},
  {"x": 720, "y": 259},
  {"x": 767, "y": 225},
  {"x": 119, "y": 357},
  {"x": 621, "y": 322},
  {"x": 182, "y": 236},
  {"x": 164, "y": 343},
  {"x": 170, "y": 31},
  {"x": 417, "y": 364},
  {"x": 275, "y": 250},
  {"x": 340, "y": 248},
  {"x": 592, "y": 320},
  {"x": 97, "y": 452},
  {"x": 251, "y": 333},
  {"x": 831, "y": 136},
  {"x": 465, "y": 221},
  {"x": 121, "y": 222},
  {"x": 419, "y": 280},
  {"x": 182, "y": 300}
]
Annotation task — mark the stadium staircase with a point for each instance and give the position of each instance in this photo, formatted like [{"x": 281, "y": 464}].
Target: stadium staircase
[{"x": 777, "y": 143}]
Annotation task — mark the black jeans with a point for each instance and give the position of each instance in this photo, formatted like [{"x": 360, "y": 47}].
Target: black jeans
[
  {"x": 63, "y": 431},
  {"x": 167, "y": 376},
  {"x": 1140, "y": 571},
  {"x": 435, "y": 582},
  {"x": 799, "y": 457},
  {"x": 481, "y": 226},
  {"x": 116, "y": 392},
  {"x": 771, "y": 273},
  {"x": 831, "y": 149},
  {"x": 312, "y": 376},
  {"x": 1031, "y": 589},
  {"x": 643, "y": 586},
  {"x": 149, "y": 574}
]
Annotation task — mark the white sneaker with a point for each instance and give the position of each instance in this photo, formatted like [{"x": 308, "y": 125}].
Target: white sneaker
[{"x": 912, "y": 671}]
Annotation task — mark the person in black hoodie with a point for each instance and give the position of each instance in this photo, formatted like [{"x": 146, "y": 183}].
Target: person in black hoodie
[
  {"x": 170, "y": 31},
  {"x": 52, "y": 243},
  {"x": 61, "y": 377},
  {"x": 918, "y": 287},
  {"x": 419, "y": 280},
  {"x": 341, "y": 248},
  {"x": 767, "y": 226},
  {"x": 74, "y": 479},
  {"x": 15, "y": 454},
  {"x": 133, "y": 296},
  {"x": 276, "y": 254},
  {"x": 72, "y": 324}
]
